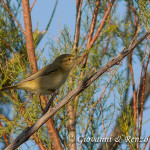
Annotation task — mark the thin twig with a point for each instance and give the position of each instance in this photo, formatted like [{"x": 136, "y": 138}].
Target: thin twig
[
  {"x": 77, "y": 27},
  {"x": 136, "y": 31},
  {"x": 32, "y": 5},
  {"x": 103, "y": 122},
  {"x": 146, "y": 143},
  {"x": 29, "y": 36},
  {"x": 138, "y": 91},
  {"x": 133, "y": 87},
  {"x": 6, "y": 43},
  {"x": 4, "y": 136},
  {"x": 91, "y": 41},
  {"x": 102, "y": 23},
  {"x": 40, "y": 144},
  {"x": 93, "y": 22},
  {"x": 142, "y": 100}
]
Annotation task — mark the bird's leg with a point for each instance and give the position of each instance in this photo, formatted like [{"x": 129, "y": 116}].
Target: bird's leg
[
  {"x": 56, "y": 92},
  {"x": 50, "y": 101}
]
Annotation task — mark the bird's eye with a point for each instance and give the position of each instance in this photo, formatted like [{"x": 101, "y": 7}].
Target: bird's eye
[{"x": 69, "y": 59}]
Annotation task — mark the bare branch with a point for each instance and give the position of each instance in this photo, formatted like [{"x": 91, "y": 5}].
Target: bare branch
[
  {"x": 138, "y": 92},
  {"x": 4, "y": 135},
  {"x": 91, "y": 41},
  {"x": 102, "y": 23},
  {"x": 7, "y": 45},
  {"x": 28, "y": 35},
  {"x": 146, "y": 143},
  {"x": 78, "y": 21},
  {"x": 40, "y": 144},
  {"x": 25, "y": 135},
  {"x": 143, "y": 93},
  {"x": 93, "y": 22},
  {"x": 54, "y": 136},
  {"x": 71, "y": 113},
  {"x": 33, "y": 5}
]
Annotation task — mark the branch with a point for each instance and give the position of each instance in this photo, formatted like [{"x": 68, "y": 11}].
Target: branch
[
  {"x": 40, "y": 144},
  {"x": 33, "y": 5},
  {"x": 53, "y": 133},
  {"x": 4, "y": 136},
  {"x": 13, "y": 16},
  {"x": 93, "y": 22},
  {"x": 78, "y": 21},
  {"x": 143, "y": 94},
  {"x": 91, "y": 41},
  {"x": 31, "y": 54},
  {"x": 25, "y": 135},
  {"x": 71, "y": 113},
  {"x": 33, "y": 63},
  {"x": 28, "y": 35},
  {"x": 102, "y": 23},
  {"x": 7, "y": 45}
]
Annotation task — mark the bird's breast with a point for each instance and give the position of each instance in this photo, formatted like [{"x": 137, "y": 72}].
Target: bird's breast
[
  {"x": 52, "y": 81},
  {"x": 44, "y": 84}
]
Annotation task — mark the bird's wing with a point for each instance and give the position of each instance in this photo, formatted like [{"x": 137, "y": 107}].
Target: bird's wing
[{"x": 44, "y": 71}]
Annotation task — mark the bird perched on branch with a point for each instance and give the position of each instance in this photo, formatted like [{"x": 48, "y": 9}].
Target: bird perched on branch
[{"x": 49, "y": 78}]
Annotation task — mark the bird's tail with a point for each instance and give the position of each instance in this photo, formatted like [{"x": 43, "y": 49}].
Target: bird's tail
[{"x": 8, "y": 88}]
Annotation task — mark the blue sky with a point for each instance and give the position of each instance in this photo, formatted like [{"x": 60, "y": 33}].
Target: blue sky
[{"x": 65, "y": 15}]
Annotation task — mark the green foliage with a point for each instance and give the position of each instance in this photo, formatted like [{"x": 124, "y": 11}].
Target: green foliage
[
  {"x": 144, "y": 12},
  {"x": 126, "y": 123}
]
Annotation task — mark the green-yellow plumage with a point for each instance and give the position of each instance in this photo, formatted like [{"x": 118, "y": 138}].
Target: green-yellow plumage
[{"x": 49, "y": 78}]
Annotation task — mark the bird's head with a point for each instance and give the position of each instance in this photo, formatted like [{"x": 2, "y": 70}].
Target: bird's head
[{"x": 66, "y": 61}]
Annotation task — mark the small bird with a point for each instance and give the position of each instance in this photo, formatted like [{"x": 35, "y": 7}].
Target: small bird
[{"x": 49, "y": 78}]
